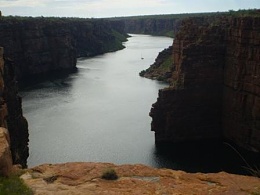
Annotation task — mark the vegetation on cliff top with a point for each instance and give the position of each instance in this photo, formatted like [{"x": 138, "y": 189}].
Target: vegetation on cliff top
[
  {"x": 159, "y": 25},
  {"x": 13, "y": 185},
  {"x": 109, "y": 174},
  {"x": 245, "y": 12}
]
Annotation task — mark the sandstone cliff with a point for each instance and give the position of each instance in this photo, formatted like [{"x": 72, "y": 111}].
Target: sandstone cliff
[
  {"x": 152, "y": 25},
  {"x": 241, "y": 92},
  {"x": 5, "y": 153},
  {"x": 11, "y": 116},
  {"x": 41, "y": 45},
  {"x": 214, "y": 93},
  {"x": 162, "y": 25}
]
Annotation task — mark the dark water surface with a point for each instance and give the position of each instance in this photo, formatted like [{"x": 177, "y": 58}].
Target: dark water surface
[
  {"x": 101, "y": 114},
  {"x": 98, "y": 114}
]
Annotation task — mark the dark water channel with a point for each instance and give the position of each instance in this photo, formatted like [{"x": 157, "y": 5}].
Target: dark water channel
[{"x": 101, "y": 114}]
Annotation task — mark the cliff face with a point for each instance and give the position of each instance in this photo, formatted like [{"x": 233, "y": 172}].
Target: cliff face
[
  {"x": 5, "y": 153},
  {"x": 191, "y": 108},
  {"x": 97, "y": 37},
  {"x": 40, "y": 45},
  {"x": 162, "y": 25},
  {"x": 152, "y": 26},
  {"x": 241, "y": 97},
  {"x": 214, "y": 91},
  {"x": 11, "y": 116}
]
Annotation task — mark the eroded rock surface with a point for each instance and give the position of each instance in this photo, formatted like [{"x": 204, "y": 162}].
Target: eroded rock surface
[
  {"x": 6, "y": 162},
  {"x": 85, "y": 178}
]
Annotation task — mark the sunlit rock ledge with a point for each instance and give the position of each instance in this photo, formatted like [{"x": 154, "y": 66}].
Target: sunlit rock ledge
[{"x": 86, "y": 178}]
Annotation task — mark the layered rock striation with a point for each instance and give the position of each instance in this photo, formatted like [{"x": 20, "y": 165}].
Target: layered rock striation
[
  {"x": 241, "y": 91},
  {"x": 214, "y": 92},
  {"x": 42, "y": 45}
]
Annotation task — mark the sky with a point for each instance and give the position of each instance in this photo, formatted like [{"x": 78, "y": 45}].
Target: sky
[{"x": 116, "y": 8}]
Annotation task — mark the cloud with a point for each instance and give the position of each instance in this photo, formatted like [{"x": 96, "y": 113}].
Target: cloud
[
  {"x": 110, "y": 8},
  {"x": 22, "y": 3}
]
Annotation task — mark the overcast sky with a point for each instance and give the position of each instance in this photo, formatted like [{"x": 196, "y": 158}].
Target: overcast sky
[{"x": 111, "y": 8}]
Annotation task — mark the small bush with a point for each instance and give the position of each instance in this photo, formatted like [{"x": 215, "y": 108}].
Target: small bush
[
  {"x": 13, "y": 186},
  {"x": 109, "y": 174}
]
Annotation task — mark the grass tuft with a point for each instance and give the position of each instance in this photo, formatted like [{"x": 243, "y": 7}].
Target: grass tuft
[
  {"x": 13, "y": 185},
  {"x": 109, "y": 174},
  {"x": 254, "y": 171}
]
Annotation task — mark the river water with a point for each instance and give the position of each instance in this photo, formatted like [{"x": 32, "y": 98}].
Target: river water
[{"x": 99, "y": 113}]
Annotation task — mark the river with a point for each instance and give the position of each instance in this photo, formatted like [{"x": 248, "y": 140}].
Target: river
[{"x": 99, "y": 113}]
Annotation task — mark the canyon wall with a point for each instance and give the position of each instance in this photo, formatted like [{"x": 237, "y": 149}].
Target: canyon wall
[
  {"x": 241, "y": 92},
  {"x": 159, "y": 25},
  {"x": 41, "y": 45},
  {"x": 214, "y": 90},
  {"x": 152, "y": 26},
  {"x": 11, "y": 116}
]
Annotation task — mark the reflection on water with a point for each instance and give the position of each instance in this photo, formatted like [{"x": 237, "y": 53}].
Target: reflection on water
[{"x": 100, "y": 112}]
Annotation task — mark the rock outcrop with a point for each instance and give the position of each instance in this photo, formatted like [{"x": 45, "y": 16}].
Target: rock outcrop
[
  {"x": 5, "y": 153},
  {"x": 11, "y": 115},
  {"x": 42, "y": 45},
  {"x": 85, "y": 178},
  {"x": 214, "y": 92},
  {"x": 161, "y": 69}
]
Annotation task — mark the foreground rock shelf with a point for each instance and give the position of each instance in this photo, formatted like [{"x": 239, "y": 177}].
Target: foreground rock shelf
[{"x": 85, "y": 178}]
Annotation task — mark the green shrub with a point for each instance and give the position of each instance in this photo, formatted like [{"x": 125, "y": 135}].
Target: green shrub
[
  {"x": 109, "y": 174},
  {"x": 13, "y": 185}
]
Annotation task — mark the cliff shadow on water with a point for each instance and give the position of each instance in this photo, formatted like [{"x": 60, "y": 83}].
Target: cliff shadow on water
[
  {"x": 35, "y": 81},
  {"x": 206, "y": 157}
]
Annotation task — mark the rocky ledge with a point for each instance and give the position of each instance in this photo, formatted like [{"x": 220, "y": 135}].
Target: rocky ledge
[
  {"x": 161, "y": 69},
  {"x": 86, "y": 178}
]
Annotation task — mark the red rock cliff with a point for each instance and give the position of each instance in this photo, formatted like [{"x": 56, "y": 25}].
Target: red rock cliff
[
  {"x": 241, "y": 97},
  {"x": 43, "y": 45},
  {"x": 215, "y": 88}
]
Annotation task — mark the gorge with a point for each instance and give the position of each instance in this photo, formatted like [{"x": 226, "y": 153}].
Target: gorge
[
  {"x": 213, "y": 94},
  {"x": 103, "y": 106}
]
